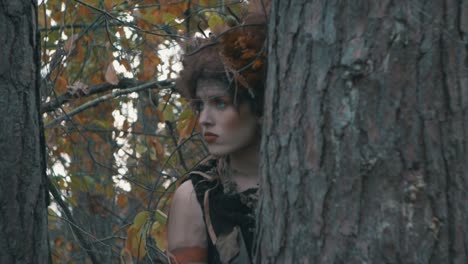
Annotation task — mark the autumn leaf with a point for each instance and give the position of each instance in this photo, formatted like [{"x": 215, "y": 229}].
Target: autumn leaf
[
  {"x": 58, "y": 242},
  {"x": 216, "y": 23},
  {"x": 111, "y": 75},
  {"x": 122, "y": 200},
  {"x": 60, "y": 85},
  {"x": 108, "y": 4},
  {"x": 126, "y": 64},
  {"x": 126, "y": 256},
  {"x": 187, "y": 129},
  {"x": 157, "y": 146},
  {"x": 159, "y": 233},
  {"x": 136, "y": 238},
  {"x": 160, "y": 115}
]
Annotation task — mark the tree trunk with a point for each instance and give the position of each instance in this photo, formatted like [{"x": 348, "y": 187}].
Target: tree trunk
[
  {"x": 23, "y": 208},
  {"x": 365, "y": 145}
]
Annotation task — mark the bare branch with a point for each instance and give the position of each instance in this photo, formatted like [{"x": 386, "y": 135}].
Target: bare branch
[
  {"x": 66, "y": 97},
  {"x": 106, "y": 97},
  {"x": 74, "y": 226}
]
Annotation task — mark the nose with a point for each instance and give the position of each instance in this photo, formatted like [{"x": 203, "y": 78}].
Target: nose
[{"x": 205, "y": 119}]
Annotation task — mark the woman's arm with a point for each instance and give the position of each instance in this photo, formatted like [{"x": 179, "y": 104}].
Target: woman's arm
[{"x": 187, "y": 240}]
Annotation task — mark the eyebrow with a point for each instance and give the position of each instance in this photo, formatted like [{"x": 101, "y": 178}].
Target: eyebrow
[{"x": 197, "y": 98}]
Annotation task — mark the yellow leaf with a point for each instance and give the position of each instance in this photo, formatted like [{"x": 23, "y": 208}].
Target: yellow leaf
[
  {"x": 216, "y": 23},
  {"x": 135, "y": 242},
  {"x": 126, "y": 256},
  {"x": 111, "y": 75},
  {"x": 159, "y": 233},
  {"x": 140, "y": 219},
  {"x": 136, "y": 239}
]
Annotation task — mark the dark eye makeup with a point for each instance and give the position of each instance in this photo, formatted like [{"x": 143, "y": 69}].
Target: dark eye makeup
[{"x": 219, "y": 102}]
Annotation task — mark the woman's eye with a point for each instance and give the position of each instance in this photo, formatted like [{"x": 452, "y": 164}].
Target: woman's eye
[{"x": 220, "y": 103}]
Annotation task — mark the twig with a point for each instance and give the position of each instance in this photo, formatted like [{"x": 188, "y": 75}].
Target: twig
[
  {"x": 74, "y": 226},
  {"x": 174, "y": 140},
  {"x": 126, "y": 23},
  {"x": 99, "y": 88},
  {"x": 101, "y": 99}
]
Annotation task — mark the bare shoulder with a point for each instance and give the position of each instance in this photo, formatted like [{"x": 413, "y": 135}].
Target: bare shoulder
[{"x": 186, "y": 227}]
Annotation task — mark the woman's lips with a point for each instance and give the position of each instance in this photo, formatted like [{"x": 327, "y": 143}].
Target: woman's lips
[{"x": 210, "y": 137}]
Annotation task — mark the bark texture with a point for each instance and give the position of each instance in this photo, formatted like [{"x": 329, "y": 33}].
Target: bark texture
[
  {"x": 23, "y": 208},
  {"x": 365, "y": 147}
]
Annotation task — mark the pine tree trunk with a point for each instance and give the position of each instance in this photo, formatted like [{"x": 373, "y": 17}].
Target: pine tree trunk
[
  {"x": 365, "y": 147},
  {"x": 23, "y": 208}
]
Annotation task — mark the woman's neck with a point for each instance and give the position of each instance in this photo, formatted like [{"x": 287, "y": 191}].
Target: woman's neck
[{"x": 244, "y": 163}]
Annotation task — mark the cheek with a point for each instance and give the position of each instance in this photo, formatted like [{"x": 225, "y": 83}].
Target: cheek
[{"x": 232, "y": 121}]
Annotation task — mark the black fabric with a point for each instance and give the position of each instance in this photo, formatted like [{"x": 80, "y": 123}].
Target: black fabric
[{"x": 226, "y": 210}]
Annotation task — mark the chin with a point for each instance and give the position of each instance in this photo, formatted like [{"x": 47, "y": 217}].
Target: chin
[
  {"x": 220, "y": 150},
  {"x": 217, "y": 152}
]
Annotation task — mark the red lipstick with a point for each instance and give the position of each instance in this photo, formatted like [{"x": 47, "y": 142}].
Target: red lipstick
[{"x": 210, "y": 137}]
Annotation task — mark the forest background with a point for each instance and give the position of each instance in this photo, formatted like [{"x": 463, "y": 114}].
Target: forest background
[
  {"x": 118, "y": 135},
  {"x": 364, "y": 141}
]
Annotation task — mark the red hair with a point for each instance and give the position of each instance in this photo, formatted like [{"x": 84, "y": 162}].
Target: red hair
[{"x": 236, "y": 57}]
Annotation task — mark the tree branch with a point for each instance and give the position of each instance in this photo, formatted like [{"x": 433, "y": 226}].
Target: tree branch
[
  {"x": 114, "y": 94},
  {"x": 74, "y": 226},
  {"x": 103, "y": 87},
  {"x": 59, "y": 27}
]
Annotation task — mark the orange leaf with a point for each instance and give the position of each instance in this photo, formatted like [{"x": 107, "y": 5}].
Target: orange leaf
[
  {"x": 257, "y": 64},
  {"x": 58, "y": 242},
  {"x": 160, "y": 116},
  {"x": 249, "y": 54},
  {"x": 111, "y": 75},
  {"x": 157, "y": 146},
  {"x": 69, "y": 246},
  {"x": 61, "y": 85},
  {"x": 84, "y": 11},
  {"x": 122, "y": 200},
  {"x": 149, "y": 70},
  {"x": 108, "y": 4},
  {"x": 125, "y": 63},
  {"x": 186, "y": 130}
]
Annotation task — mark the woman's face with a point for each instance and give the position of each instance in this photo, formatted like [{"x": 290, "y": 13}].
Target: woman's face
[{"x": 226, "y": 128}]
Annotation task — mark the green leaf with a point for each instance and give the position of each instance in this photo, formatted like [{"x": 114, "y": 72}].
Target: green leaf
[
  {"x": 160, "y": 217},
  {"x": 140, "y": 148},
  {"x": 214, "y": 21}
]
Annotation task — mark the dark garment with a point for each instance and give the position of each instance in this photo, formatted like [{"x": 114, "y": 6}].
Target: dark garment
[{"x": 228, "y": 213}]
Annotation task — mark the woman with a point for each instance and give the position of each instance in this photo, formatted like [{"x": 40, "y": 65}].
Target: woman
[{"x": 212, "y": 214}]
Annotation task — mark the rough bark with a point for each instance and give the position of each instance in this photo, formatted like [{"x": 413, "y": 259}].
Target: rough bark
[
  {"x": 23, "y": 208},
  {"x": 365, "y": 145}
]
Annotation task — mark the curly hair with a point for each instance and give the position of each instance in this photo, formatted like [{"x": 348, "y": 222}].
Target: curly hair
[{"x": 237, "y": 57}]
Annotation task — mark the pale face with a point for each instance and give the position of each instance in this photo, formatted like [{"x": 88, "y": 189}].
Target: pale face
[{"x": 225, "y": 128}]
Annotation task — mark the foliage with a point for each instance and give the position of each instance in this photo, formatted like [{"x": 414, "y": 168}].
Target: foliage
[{"x": 118, "y": 135}]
